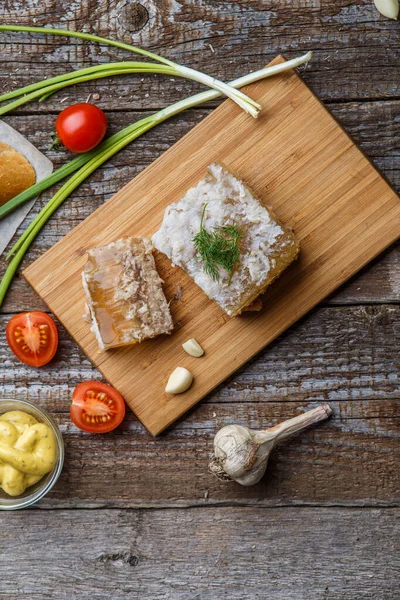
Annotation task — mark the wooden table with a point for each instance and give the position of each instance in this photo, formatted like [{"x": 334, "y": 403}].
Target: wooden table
[{"x": 138, "y": 517}]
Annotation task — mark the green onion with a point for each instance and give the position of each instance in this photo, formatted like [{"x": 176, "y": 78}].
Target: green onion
[
  {"x": 98, "y": 156},
  {"x": 73, "y": 80},
  {"x": 79, "y": 161},
  {"x": 129, "y": 66},
  {"x": 79, "y": 77},
  {"x": 246, "y": 103}
]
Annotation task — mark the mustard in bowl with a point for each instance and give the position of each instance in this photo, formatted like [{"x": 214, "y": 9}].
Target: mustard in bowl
[{"x": 31, "y": 454}]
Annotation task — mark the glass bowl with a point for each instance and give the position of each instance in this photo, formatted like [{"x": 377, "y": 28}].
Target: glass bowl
[{"x": 35, "y": 492}]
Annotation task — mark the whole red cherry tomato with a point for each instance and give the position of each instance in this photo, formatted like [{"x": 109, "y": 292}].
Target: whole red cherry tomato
[{"x": 81, "y": 127}]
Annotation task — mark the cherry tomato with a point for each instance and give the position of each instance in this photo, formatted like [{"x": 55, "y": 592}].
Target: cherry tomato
[
  {"x": 96, "y": 407},
  {"x": 33, "y": 337},
  {"x": 81, "y": 127}
]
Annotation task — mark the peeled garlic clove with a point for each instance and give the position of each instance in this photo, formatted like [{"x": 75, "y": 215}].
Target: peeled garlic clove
[
  {"x": 179, "y": 381},
  {"x": 388, "y": 8},
  {"x": 193, "y": 348}
]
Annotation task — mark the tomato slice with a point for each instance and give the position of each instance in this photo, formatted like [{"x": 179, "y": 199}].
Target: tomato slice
[
  {"x": 96, "y": 407},
  {"x": 33, "y": 337}
]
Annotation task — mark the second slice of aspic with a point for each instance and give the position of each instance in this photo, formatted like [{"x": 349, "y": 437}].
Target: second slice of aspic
[
  {"x": 220, "y": 206},
  {"x": 124, "y": 293}
]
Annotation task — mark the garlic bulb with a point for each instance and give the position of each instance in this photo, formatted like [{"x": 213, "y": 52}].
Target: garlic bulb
[
  {"x": 241, "y": 454},
  {"x": 388, "y": 8}
]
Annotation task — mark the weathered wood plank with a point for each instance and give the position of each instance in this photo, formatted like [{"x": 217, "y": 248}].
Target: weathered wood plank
[
  {"x": 308, "y": 470},
  {"x": 334, "y": 354},
  {"x": 346, "y": 356},
  {"x": 324, "y": 554},
  {"x": 356, "y": 51}
]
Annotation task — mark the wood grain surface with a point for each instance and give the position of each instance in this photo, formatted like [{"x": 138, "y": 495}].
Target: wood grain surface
[
  {"x": 300, "y": 162},
  {"x": 345, "y": 352},
  {"x": 297, "y": 554}
]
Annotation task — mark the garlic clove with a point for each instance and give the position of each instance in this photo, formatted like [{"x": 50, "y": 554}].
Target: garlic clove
[
  {"x": 179, "y": 381},
  {"x": 193, "y": 348},
  {"x": 388, "y": 8}
]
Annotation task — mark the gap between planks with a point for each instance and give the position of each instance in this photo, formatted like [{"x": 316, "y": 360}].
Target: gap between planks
[
  {"x": 211, "y": 504},
  {"x": 211, "y": 104}
]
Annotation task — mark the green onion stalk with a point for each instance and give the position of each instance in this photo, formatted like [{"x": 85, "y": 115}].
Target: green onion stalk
[
  {"x": 42, "y": 91},
  {"x": 129, "y": 66},
  {"x": 246, "y": 103},
  {"x": 86, "y": 164}
]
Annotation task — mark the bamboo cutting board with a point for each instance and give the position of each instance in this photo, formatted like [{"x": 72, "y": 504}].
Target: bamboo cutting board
[{"x": 300, "y": 162}]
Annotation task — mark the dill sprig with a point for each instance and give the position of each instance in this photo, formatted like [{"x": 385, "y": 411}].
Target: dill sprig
[{"x": 218, "y": 248}]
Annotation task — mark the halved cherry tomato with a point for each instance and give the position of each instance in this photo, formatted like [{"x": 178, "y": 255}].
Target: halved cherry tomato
[
  {"x": 96, "y": 407},
  {"x": 81, "y": 127},
  {"x": 33, "y": 337}
]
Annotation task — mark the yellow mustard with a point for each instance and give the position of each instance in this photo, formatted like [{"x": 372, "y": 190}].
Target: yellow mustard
[{"x": 27, "y": 451}]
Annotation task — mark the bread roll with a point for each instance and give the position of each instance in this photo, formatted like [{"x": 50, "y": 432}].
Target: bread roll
[{"x": 16, "y": 173}]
